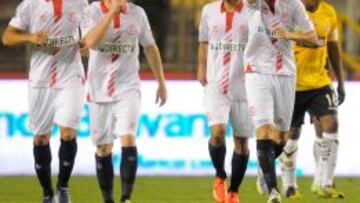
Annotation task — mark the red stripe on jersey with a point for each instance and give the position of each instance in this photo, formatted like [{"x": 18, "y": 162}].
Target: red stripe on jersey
[
  {"x": 114, "y": 57},
  {"x": 116, "y": 18},
  {"x": 249, "y": 69},
  {"x": 279, "y": 62},
  {"x": 58, "y": 7},
  {"x": 229, "y": 20}
]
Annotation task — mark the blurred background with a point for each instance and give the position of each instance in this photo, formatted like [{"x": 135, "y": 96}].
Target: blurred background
[
  {"x": 175, "y": 25},
  {"x": 180, "y": 128}
]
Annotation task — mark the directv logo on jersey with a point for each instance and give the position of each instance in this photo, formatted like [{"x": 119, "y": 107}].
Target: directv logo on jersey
[
  {"x": 60, "y": 41},
  {"x": 227, "y": 47},
  {"x": 117, "y": 48}
]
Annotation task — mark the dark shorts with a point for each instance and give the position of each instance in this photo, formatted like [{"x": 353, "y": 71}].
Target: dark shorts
[{"x": 319, "y": 102}]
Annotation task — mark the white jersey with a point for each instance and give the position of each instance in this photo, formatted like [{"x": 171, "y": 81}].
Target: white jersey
[
  {"x": 58, "y": 63},
  {"x": 226, "y": 34},
  {"x": 266, "y": 54},
  {"x": 114, "y": 64}
]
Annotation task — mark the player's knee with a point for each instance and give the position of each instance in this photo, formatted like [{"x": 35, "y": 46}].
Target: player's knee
[
  {"x": 67, "y": 134},
  {"x": 103, "y": 150},
  {"x": 218, "y": 134},
  {"x": 264, "y": 132},
  {"x": 41, "y": 140},
  {"x": 330, "y": 124},
  {"x": 128, "y": 141},
  {"x": 241, "y": 146}
]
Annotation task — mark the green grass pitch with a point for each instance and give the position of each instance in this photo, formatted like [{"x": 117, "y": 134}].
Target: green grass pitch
[{"x": 163, "y": 190}]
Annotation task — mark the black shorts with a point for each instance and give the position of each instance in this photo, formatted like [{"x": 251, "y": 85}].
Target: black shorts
[{"x": 319, "y": 102}]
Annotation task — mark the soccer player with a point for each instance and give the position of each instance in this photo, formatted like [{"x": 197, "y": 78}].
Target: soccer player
[
  {"x": 270, "y": 76},
  {"x": 222, "y": 39},
  {"x": 113, "y": 30},
  {"x": 316, "y": 94},
  {"x": 56, "y": 86}
]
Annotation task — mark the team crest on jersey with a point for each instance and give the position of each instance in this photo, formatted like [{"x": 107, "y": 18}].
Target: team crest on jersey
[
  {"x": 214, "y": 29},
  {"x": 243, "y": 29},
  {"x": 131, "y": 29},
  {"x": 72, "y": 17},
  {"x": 42, "y": 18}
]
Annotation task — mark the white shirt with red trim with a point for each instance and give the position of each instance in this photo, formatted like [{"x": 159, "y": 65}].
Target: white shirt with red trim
[
  {"x": 114, "y": 64},
  {"x": 265, "y": 53},
  {"x": 226, "y": 35},
  {"x": 58, "y": 64}
]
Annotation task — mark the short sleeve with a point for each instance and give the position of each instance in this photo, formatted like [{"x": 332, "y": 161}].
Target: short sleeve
[
  {"x": 22, "y": 17},
  {"x": 302, "y": 19},
  {"x": 334, "y": 32},
  {"x": 204, "y": 27},
  {"x": 88, "y": 20},
  {"x": 146, "y": 37}
]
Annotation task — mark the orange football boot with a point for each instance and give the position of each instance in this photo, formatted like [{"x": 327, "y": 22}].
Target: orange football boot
[
  {"x": 220, "y": 191},
  {"x": 233, "y": 197}
]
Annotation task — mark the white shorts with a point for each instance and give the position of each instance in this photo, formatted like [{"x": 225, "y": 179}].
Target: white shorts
[
  {"x": 115, "y": 119},
  {"x": 220, "y": 108},
  {"x": 271, "y": 99},
  {"x": 60, "y": 106}
]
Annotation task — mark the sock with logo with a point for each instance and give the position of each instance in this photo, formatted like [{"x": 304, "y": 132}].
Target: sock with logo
[
  {"x": 288, "y": 164},
  {"x": 67, "y": 154},
  {"x": 238, "y": 168},
  {"x": 217, "y": 155},
  {"x": 266, "y": 157},
  {"x": 105, "y": 176},
  {"x": 318, "y": 169},
  {"x": 42, "y": 156},
  {"x": 128, "y": 168},
  {"x": 328, "y": 157}
]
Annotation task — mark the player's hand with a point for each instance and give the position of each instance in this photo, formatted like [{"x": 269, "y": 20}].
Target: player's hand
[
  {"x": 116, "y": 6},
  {"x": 161, "y": 95},
  {"x": 201, "y": 77},
  {"x": 39, "y": 38},
  {"x": 84, "y": 51},
  {"x": 341, "y": 93},
  {"x": 281, "y": 33}
]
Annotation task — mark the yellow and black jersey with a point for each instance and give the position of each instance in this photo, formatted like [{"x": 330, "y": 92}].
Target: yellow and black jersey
[{"x": 312, "y": 73}]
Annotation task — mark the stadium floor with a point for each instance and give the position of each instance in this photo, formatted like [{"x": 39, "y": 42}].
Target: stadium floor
[{"x": 162, "y": 190}]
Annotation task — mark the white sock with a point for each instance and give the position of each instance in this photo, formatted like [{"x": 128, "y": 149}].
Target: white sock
[
  {"x": 291, "y": 146},
  {"x": 318, "y": 169},
  {"x": 329, "y": 151},
  {"x": 288, "y": 164}
]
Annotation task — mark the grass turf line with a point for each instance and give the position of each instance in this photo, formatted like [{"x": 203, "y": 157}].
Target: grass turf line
[{"x": 163, "y": 190}]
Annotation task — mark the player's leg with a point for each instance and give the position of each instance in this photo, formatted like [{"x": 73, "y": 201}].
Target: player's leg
[
  {"x": 41, "y": 113},
  {"x": 242, "y": 130},
  {"x": 67, "y": 154},
  {"x": 101, "y": 120},
  {"x": 325, "y": 108},
  {"x": 218, "y": 115},
  {"x": 68, "y": 108},
  {"x": 315, "y": 187},
  {"x": 42, "y": 157},
  {"x": 261, "y": 105},
  {"x": 289, "y": 156},
  {"x": 128, "y": 167},
  {"x": 126, "y": 113},
  {"x": 284, "y": 102}
]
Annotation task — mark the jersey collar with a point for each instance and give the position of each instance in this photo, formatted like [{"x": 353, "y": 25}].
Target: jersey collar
[
  {"x": 105, "y": 9},
  {"x": 238, "y": 7}
]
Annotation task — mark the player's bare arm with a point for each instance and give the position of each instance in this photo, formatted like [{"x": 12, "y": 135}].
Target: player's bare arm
[
  {"x": 154, "y": 59},
  {"x": 308, "y": 39},
  {"x": 13, "y": 37},
  {"x": 202, "y": 60},
  {"x": 95, "y": 35},
  {"x": 334, "y": 52}
]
